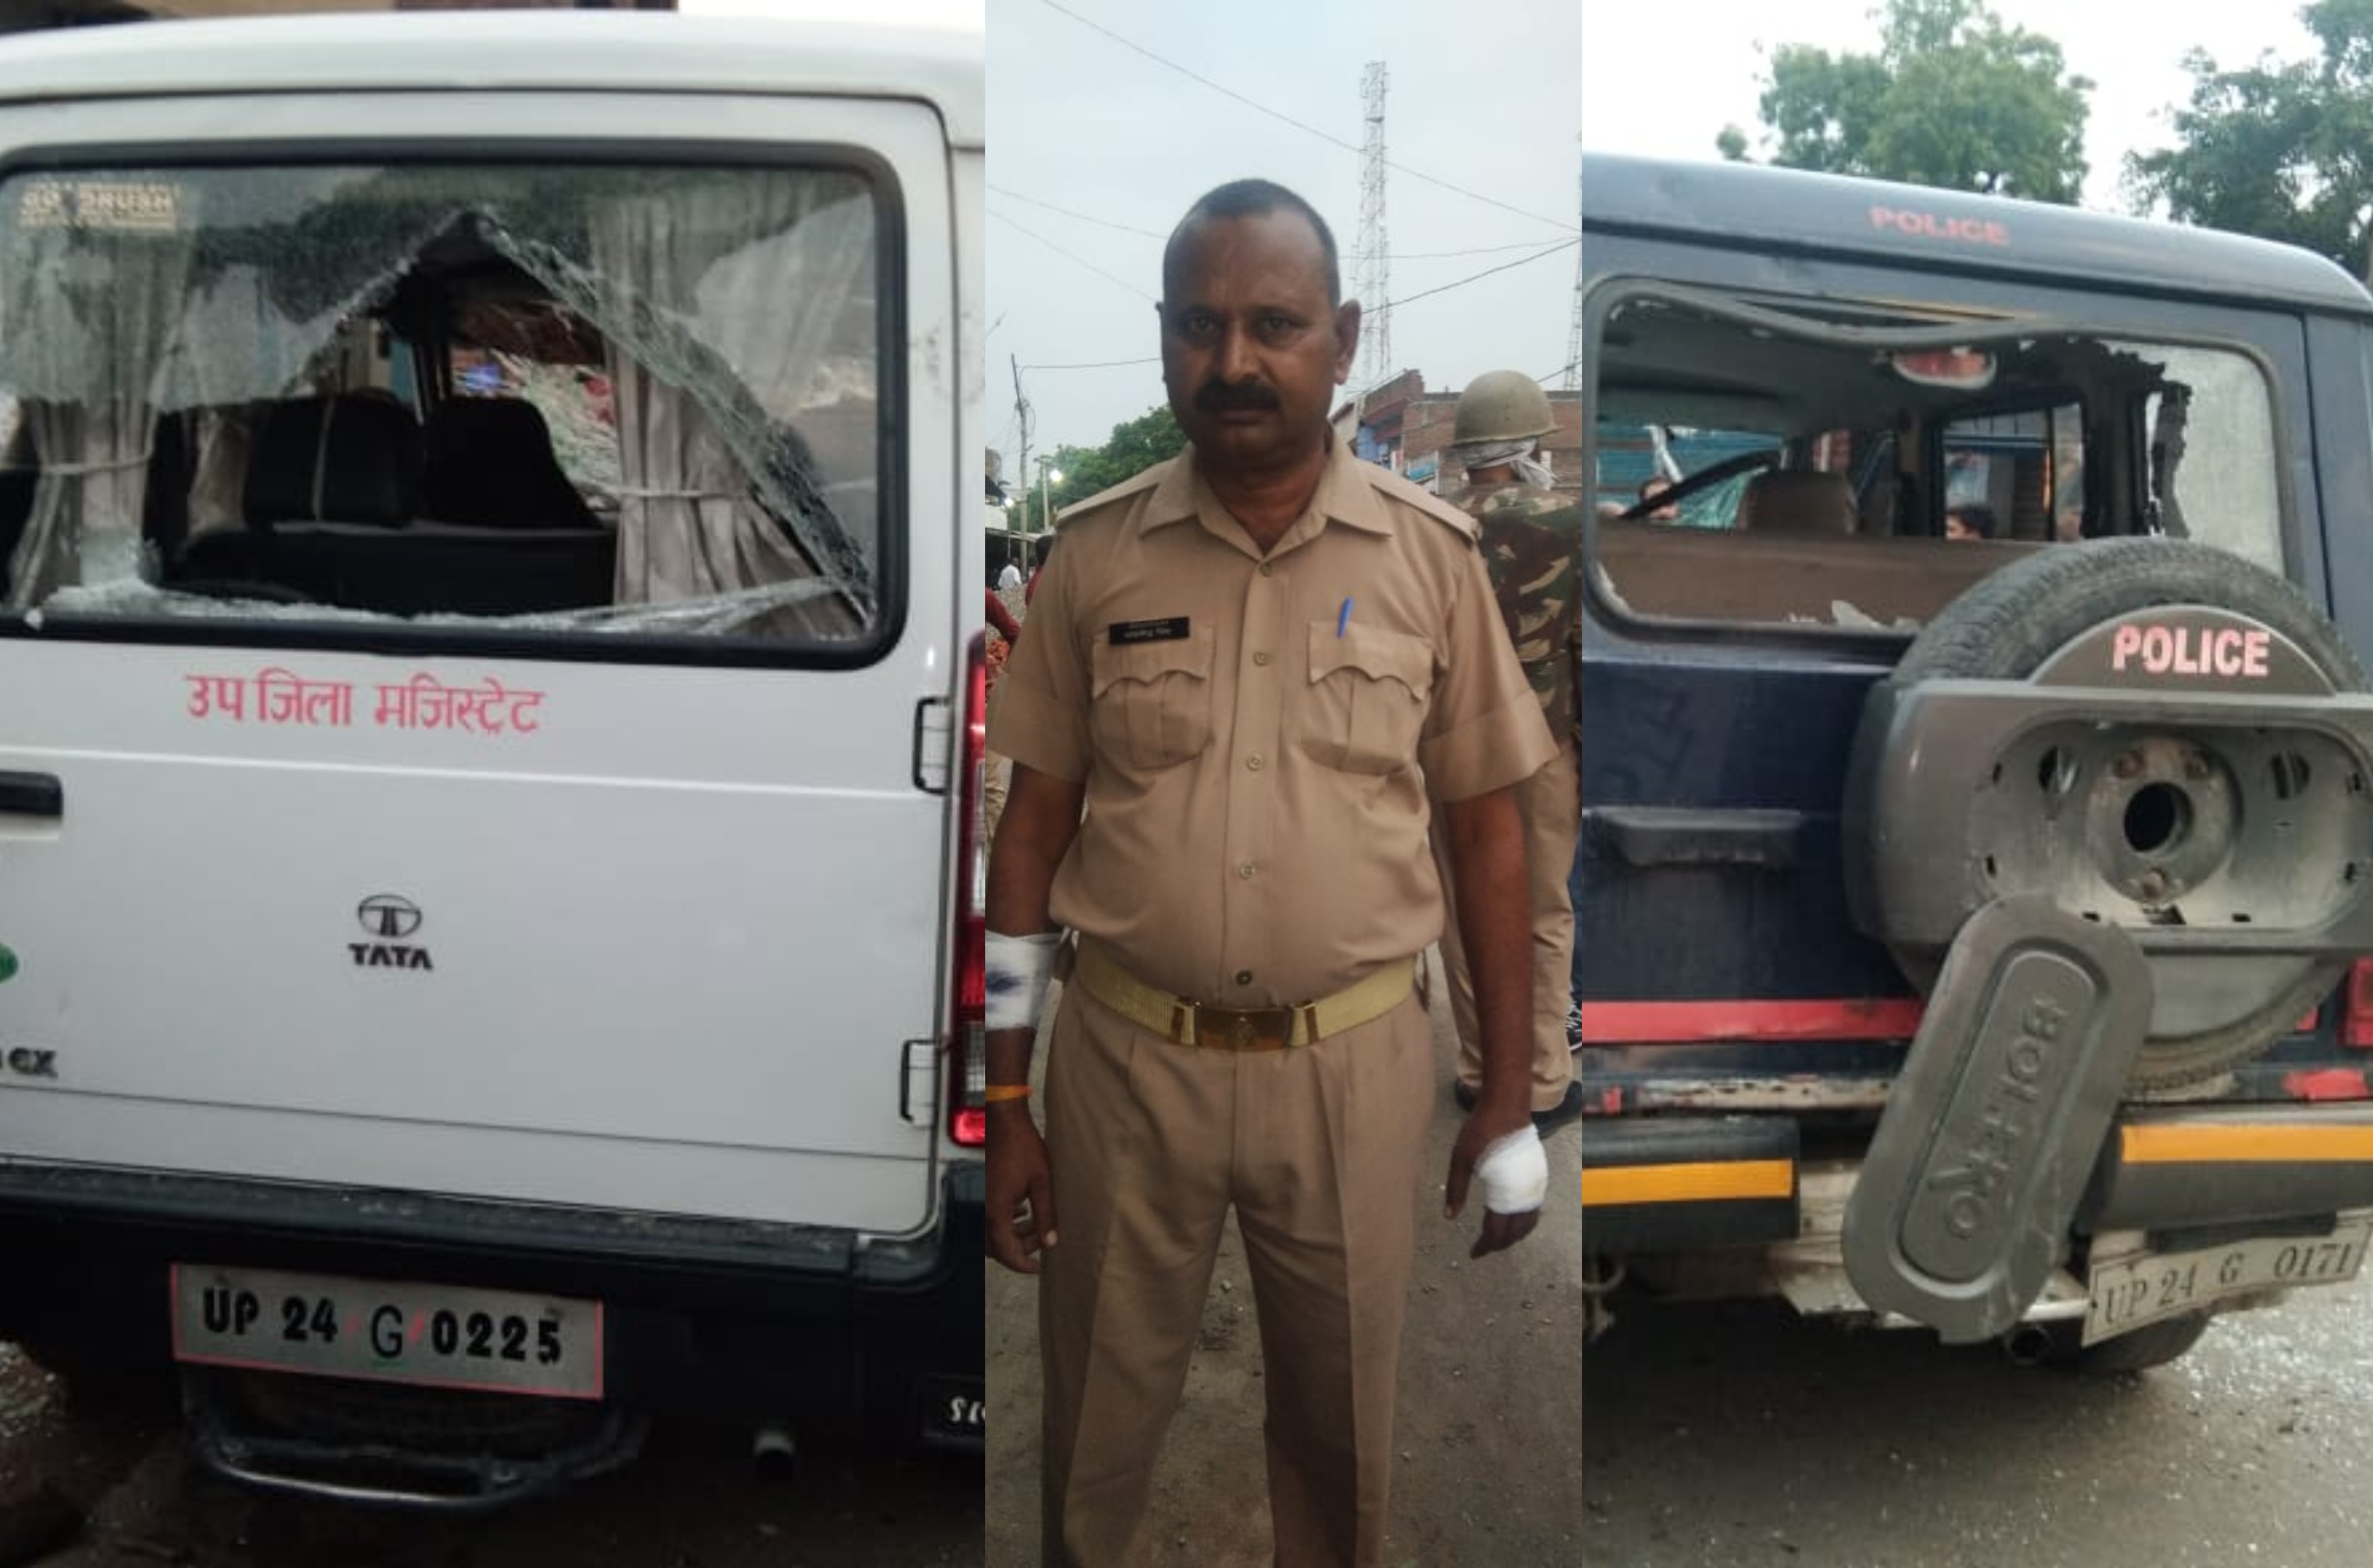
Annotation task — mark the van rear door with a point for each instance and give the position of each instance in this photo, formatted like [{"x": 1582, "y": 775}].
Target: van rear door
[{"x": 363, "y": 823}]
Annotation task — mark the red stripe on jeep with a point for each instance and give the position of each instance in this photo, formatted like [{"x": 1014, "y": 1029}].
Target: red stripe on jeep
[{"x": 1672, "y": 1023}]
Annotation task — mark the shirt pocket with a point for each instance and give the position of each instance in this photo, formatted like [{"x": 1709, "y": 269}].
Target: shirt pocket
[
  {"x": 1368, "y": 691},
  {"x": 1151, "y": 701}
]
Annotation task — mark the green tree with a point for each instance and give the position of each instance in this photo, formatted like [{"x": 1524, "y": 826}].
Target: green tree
[
  {"x": 2281, "y": 150},
  {"x": 1135, "y": 446},
  {"x": 1952, "y": 97}
]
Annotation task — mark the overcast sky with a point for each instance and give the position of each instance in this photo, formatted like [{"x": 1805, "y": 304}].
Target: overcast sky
[
  {"x": 1664, "y": 77},
  {"x": 1484, "y": 95}
]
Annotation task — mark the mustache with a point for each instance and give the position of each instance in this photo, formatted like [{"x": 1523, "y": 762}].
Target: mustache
[{"x": 1219, "y": 397}]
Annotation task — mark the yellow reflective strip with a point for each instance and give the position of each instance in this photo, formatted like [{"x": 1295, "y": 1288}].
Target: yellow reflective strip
[
  {"x": 1688, "y": 1183},
  {"x": 2237, "y": 1143}
]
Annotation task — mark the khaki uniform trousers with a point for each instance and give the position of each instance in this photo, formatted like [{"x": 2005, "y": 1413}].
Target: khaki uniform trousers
[
  {"x": 1549, "y": 805},
  {"x": 1320, "y": 1151}
]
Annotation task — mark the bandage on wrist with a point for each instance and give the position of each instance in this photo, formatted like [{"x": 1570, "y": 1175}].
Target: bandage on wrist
[
  {"x": 1018, "y": 968},
  {"x": 996, "y": 1093},
  {"x": 1515, "y": 1172}
]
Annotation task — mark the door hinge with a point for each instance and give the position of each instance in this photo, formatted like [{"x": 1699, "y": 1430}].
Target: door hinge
[{"x": 935, "y": 733}]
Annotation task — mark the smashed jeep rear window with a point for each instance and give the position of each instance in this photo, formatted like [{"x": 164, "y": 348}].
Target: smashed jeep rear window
[
  {"x": 1854, "y": 469},
  {"x": 637, "y": 401}
]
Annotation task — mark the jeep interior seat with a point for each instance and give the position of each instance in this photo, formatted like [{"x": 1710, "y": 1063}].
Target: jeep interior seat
[
  {"x": 1795, "y": 501},
  {"x": 490, "y": 464},
  {"x": 1697, "y": 574}
]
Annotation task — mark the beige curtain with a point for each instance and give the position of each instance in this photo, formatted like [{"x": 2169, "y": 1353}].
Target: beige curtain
[
  {"x": 91, "y": 276},
  {"x": 766, "y": 295}
]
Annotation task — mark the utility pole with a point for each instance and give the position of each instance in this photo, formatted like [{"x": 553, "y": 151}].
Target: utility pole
[
  {"x": 1022, "y": 416},
  {"x": 1374, "y": 278},
  {"x": 1574, "y": 333}
]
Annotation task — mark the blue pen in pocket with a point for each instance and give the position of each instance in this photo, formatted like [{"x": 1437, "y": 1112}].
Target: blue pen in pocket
[{"x": 1343, "y": 617}]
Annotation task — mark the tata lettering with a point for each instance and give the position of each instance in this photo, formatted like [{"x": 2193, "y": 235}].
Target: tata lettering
[{"x": 2187, "y": 650}]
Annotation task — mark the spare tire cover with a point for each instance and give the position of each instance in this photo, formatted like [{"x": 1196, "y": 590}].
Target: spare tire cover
[{"x": 2155, "y": 822}]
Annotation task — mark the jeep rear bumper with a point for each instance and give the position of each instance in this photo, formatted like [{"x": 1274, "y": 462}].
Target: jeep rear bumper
[
  {"x": 854, "y": 1341},
  {"x": 1697, "y": 1184}
]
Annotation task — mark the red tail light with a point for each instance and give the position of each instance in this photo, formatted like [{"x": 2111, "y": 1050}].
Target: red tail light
[
  {"x": 968, "y": 1030},
  {"x": 2357, "y": 1027}
]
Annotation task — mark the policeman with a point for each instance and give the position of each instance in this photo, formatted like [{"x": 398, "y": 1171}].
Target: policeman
[
  {"x": 1531, "y": 546},
  {"x": 1254, "y": 666}
]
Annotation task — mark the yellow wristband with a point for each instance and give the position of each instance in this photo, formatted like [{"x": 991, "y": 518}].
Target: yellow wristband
[{"x": 997, "y": 1092}]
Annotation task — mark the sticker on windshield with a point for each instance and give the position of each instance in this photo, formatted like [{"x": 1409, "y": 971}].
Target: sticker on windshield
[{"x": 138, "y": 206}]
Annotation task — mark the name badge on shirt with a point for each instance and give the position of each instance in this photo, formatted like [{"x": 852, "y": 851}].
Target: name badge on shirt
[{"x": 1123, "y": 633}]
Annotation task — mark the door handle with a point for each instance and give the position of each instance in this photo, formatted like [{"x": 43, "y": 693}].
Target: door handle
[
  {"x": 32, "y": 794},
  {"x": 1644, "y": 836}
]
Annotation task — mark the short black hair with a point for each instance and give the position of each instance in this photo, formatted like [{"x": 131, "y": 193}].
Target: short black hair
[
  {"x": 1255, "y": 198},
  {"x": 1978, "y": 517}
]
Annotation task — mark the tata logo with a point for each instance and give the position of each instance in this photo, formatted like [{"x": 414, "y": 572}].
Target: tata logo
[
  {"x": 388, "y": 919},
  {"x": 384, "y": 915}
]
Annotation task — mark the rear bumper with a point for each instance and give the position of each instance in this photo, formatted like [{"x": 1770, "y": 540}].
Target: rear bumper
[
  {"x": 1690, "y": 1184},
  {"x": 851, "y": 1340}
]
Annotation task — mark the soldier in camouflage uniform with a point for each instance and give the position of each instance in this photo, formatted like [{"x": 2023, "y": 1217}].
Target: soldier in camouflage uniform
[{"x": 1532, "y": 547}]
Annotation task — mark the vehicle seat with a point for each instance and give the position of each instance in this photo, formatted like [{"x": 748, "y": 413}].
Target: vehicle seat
[
  {"x": 490, "y": 464},
  {"x": 355, "y": 458},
  {"x": 1794, "y": 501},
  {"x": 334, "y": 486}
]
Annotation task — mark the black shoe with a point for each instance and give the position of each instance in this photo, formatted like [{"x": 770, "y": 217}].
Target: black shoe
[
  {"x": 1463, "y": 1094},
  {"x": 1557, "y": 1116}
]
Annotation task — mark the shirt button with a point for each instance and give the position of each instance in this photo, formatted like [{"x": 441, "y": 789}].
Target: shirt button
[
  {"x": 1253, "y": 762},
  {"x": 1260, "y": 658},
  {"x": 1268, "y": 568},
  {"x": 1246, "y": 871},
  {"x": 1244, "y": 976}
]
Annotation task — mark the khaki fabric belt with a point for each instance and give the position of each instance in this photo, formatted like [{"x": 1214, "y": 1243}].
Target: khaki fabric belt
[{"x": 1239, "y": 1029}]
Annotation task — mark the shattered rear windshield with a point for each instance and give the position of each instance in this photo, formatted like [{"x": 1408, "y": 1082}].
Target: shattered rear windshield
[
  {"x": 637, "y": 402},
  {"x": 1853, "y": 467}
]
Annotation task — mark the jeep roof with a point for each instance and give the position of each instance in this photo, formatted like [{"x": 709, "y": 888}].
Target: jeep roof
[{"x": 1778, "y": 210}]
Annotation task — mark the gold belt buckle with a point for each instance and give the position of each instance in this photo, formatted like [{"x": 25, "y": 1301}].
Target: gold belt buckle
[{"x": 1247, "y": 1029}]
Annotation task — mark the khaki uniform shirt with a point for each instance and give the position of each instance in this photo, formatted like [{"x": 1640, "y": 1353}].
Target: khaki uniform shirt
[
  {"x": 1257, "y": 759},
  {"x": 1532, "y": 548}
]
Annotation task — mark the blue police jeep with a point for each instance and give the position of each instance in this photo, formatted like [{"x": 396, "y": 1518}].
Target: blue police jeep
[{"x": 1975, "y": 900}]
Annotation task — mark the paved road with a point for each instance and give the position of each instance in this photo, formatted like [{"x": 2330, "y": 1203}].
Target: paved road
[
  {"x": 1487, "y": 1423},
  {"x": 692, "y": 1502},
  {"x": 1737, "y": 1438}
]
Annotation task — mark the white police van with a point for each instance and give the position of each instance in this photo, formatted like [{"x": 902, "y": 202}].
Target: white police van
[{"x": 489, "y": 922}]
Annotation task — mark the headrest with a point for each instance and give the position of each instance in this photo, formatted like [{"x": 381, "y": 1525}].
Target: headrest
[
  {"x": 491, "y": 464},
  {"x": 1793, "y": 500},
  {"x": 352, "y": 458}
]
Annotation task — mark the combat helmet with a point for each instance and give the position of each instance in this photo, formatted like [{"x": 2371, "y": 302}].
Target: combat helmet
[{"x": 1501, "y": 405}]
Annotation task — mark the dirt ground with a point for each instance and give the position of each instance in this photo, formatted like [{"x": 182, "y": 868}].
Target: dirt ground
[
  {"x": 1489, "y": 1414},
  {"x": 1737, "y": 1435}
]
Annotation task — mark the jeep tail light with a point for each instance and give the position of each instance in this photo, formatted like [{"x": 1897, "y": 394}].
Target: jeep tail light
[
  {"x": 2357, "y": 1025},
  {"x": 968, "y": 1033}
]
